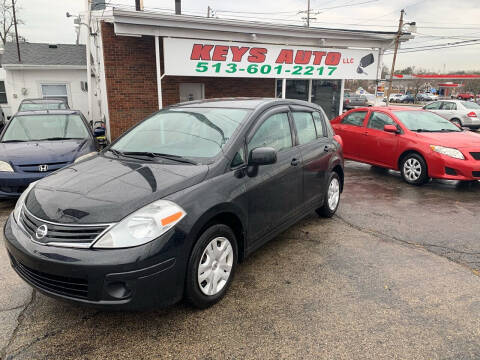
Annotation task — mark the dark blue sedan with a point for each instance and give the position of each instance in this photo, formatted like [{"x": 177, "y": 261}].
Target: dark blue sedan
[{"x": 36, "y": 143}]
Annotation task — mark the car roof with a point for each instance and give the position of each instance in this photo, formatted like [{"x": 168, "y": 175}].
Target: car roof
[
  {"x": 49, "y": 112},
  {"x": 43, "y": 101},
  {"x": 240, "y": 103},
  {"x": 390, "y": 108}
]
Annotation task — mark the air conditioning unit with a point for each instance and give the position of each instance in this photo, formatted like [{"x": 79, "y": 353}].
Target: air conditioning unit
[{"x": 84, "y": 86}]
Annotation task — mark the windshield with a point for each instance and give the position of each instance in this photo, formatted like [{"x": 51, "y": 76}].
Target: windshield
[
  {"x": 425, "y": 121},
  {"x": 471, "y": 105},
  {"x": 186, "y": 132},
  {"x": 43, "y": 127},
  {"x": 42, "y": 106}
]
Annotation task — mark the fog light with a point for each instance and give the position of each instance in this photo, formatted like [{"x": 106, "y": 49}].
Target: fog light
[{"x": 118, "y": 290}]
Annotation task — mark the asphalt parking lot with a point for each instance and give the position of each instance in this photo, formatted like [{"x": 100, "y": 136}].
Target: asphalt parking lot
[{"x": 395, "y": 274}]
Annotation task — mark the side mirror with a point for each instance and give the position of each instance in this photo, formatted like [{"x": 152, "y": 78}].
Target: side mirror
[
  {"x": 390, "y": 129},
  {"x": 262, "y": 156},
  {"x": 99, "y": 132}
]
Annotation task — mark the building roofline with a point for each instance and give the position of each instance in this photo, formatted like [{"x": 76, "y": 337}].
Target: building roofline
[
  {"x": 137, "y": 23},
  {"x": 42, "y": 67}
]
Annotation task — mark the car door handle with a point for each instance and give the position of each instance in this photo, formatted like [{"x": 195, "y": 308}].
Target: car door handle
[{"x": 295, "y": 162}]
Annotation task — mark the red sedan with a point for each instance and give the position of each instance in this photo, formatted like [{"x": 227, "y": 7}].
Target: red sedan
[{"x": 418, "y": 143}]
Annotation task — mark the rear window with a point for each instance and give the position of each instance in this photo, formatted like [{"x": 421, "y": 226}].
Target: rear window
[
  {"x": 355, "y": 118},
  {"x": 471, "y": 105}
]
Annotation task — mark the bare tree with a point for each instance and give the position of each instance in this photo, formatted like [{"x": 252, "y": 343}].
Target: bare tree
[{"x": 6, "y": 19}]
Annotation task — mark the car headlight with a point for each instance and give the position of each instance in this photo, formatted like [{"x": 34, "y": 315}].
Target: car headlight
[
  {"x": 86, "y": 156},
  {"x": 21, "y": 201},
  {"x": 142, "y": 226},
  {"x": 4, "y": 166},
  {"x": 452, "y": 152}
]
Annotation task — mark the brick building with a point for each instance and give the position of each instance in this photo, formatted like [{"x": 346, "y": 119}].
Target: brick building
[{"x": 142, "y": 61}]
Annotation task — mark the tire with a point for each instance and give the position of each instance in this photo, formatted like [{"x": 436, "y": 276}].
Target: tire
[
  {"x": 330, "y": 205},
  {"x": 414, "y": 169},
  {"x": 456, "y": 122},
  {"x": 197, "y": 291}
]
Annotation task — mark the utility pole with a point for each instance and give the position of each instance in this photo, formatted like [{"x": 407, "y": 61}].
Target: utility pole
[
  {"x": 16, "y": 32},
  {"x": 308, "y": 13},
  {"x": 397, "y": 41},
  {"x": 208, "y": 11}
]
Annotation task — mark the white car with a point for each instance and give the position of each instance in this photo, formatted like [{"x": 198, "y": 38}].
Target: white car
[{"x": 395, "y": 97}]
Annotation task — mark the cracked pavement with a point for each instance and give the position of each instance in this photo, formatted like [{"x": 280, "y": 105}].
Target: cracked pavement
[{"x": 393, "y": 275}]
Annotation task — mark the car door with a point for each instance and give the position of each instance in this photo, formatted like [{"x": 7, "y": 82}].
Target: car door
[
  {"x": 381, "y": 147},
  {"x": 352, "y": 130},
  {"x": 316, "y": 149},
  {"x": 274, "y": 191},
  {"x": 448, "y": 109}
]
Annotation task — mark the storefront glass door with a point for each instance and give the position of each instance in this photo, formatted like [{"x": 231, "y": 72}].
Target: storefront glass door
[{"x": 326, "y": 93}]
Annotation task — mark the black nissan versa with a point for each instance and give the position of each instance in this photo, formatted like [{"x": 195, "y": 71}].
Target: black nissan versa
[{"x": 169, "y": 208}]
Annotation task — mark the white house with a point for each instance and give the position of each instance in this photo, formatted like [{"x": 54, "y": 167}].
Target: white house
[{"x": 45, "y": 70}]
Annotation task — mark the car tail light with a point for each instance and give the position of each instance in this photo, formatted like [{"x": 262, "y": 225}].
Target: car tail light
[{"x": 471, "y": 114}]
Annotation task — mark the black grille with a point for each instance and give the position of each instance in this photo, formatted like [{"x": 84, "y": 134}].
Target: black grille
[
  {"x": 69, "y": 235},
  {"x": 35, "y": 168},
  {"x": 450, "y": 171},
  {"x": 70, "y": 286},
  {"x": 476, "y": 173},
  {"x": 475, "y": 155}
]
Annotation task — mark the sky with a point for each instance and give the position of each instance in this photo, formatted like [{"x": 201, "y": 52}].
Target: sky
[{"x": 438, "y": 22}]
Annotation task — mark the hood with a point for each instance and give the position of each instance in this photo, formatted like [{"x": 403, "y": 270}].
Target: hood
[
  {"x": 463, "y": 139},
  {"x": 105, "y": 190},
  {"x": 41, "y": 152}
]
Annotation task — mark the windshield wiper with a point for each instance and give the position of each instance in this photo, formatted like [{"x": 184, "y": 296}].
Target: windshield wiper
[
  {"x": 422, "y": 130},
  {"x": 177, "y": 158},
  {"x": 12, "y": 141}
]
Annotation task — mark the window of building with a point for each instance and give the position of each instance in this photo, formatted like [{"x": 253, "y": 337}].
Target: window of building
[
  {"x": 355, "y": 118},
  {"x": 57, "y": 91},
  {"x": 3, "y": 93},
  {"x": 274, "y": 132},
  {"x": 305, "y": 127}
]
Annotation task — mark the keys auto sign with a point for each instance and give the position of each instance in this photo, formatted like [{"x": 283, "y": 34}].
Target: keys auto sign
[{"x": 190, "y": 57}]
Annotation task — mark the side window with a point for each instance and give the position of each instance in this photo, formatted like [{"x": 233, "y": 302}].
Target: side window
[
  {"x": 355, "y": 118},
  {"x": 449, "y": 106},
  {"x": 319, "y": 124},
  {"x": 239, "y": 158},
  {"x": 274, "y": 132},
  {"x": 305, "y": 126},
  {"x": 433, "y": 106},
  {"x": 378, "y": 120}
]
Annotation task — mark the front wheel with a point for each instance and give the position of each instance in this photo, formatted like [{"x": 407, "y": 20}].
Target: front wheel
[
  {"x": 211, "y": 266},
  {"x": 331, "y": 197},
  {"x": 414, "y": 169}
]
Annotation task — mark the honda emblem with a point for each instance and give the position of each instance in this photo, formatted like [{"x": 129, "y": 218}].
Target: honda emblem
[{"x": 43, "y": 168}]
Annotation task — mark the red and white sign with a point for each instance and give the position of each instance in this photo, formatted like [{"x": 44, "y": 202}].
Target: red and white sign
[{"x": 191, "y": 57}]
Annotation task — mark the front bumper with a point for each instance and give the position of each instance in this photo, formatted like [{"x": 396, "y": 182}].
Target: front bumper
[
  {"x": 445, "y": 167},
  {"x": 142, "y": 277},
  {"x": 12, "y": 184}
]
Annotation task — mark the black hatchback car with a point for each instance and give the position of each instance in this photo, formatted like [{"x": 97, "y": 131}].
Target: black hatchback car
[{"x": 169, "y": 208}]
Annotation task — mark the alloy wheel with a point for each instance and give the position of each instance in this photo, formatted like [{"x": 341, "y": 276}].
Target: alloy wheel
[
  {"x": 412, "y": 169},
  {"x": 333, "y": 193},
  {"x": 215, "y": 266}
]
